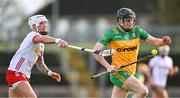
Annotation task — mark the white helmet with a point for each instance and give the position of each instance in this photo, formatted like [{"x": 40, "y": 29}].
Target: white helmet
[
  {"x": 164, "y": 50},
  {"x": 36, "y": 19}
]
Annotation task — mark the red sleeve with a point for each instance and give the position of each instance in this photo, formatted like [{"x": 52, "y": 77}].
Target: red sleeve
[{"x": 34, "y": 37}]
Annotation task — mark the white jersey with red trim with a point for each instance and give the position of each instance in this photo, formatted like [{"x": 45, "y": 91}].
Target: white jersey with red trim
[
  {"x": 27, "y": 55},
  {"x": 160, "y": 69}
]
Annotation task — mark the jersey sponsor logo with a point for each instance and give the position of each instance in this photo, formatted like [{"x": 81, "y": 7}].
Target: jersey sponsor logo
[
  {"x": 127, "y": 49},
  {"x": 39, "y": 49}
]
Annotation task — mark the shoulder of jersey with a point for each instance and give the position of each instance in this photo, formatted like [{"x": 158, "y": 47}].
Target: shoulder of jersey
[{"x": 114, "y": 30}]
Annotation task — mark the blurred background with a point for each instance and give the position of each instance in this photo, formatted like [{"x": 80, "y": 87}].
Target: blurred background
[{"x": 81, "y": 23}]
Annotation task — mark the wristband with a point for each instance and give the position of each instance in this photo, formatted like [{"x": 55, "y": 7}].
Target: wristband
[
  {"x": 57, "y": 40},
  {"x": 49, "y": 72}
]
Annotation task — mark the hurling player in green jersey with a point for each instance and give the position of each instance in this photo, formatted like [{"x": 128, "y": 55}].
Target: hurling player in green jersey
[{"x": 125, "y": 39}]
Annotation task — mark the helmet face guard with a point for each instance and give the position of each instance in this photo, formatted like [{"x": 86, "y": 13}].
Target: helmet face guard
[
  {"x": 126, "y": 13},
  {"x": 36, "y": 19}
]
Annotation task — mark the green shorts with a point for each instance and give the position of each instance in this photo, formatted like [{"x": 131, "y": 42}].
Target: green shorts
[{"x": 118, "y": 78}]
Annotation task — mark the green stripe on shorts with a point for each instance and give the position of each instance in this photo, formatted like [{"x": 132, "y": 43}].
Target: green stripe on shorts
[{"x": 118, "y": 78}]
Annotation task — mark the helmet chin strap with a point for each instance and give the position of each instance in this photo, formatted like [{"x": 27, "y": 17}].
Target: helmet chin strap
[{"x": 126, "y": 30}]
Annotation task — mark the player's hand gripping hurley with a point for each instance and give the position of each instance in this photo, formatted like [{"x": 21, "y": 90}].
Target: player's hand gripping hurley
[
  {"x": 148, "y": 57},
  {"x": 107, "y": 52}
]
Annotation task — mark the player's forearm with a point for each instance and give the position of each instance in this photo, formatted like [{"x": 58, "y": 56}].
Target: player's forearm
[
  {"x": 173, "y": 71},
  {"x": 158, "y": 42},
  {"x": 101, "y": 60},
  {"x": 48, "y": 39},
  {"x": 42, "y": 68},
  {"x": 155, "y": 41}
]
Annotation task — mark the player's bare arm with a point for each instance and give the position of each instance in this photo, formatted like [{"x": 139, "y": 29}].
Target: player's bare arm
[
  {"x": 159, "y": 42},
  {"x": 45, "y": 70},
  {"x": 50, "y": 40},
  {"x": 174, "y": 70},
  {"x": 101, "y": 59},
  {"x": 42, "y": 66}
]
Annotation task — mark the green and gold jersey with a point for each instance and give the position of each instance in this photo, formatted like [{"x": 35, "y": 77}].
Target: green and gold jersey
[{"x": 126, "y": 44}]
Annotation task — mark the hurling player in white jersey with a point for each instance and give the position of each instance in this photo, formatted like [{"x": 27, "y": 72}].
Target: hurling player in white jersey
[
  {"x": 30, "y": 53},
  {"x": 161, "y": 66}
]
